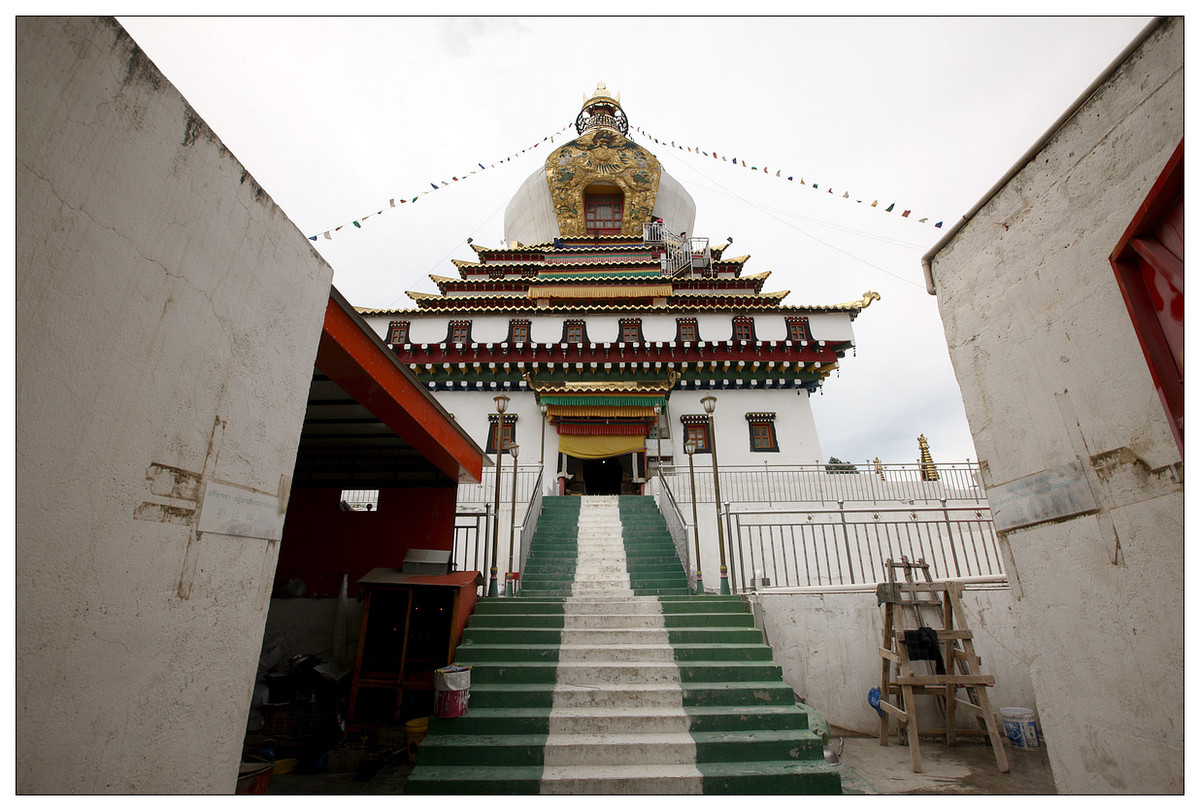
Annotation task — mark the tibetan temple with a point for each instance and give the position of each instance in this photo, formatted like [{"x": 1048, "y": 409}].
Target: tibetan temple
[{"x": 606, "y": 321}]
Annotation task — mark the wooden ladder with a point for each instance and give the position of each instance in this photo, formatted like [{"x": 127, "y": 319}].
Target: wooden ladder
[{"x": 909, "y": 606}]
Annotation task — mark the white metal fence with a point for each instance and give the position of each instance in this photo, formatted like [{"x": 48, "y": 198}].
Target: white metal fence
[
  {"x": 840, "y": 547},
  {"x": 829, "y": 484}
]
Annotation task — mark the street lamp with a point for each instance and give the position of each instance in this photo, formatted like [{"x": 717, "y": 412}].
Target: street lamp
[
  {"x": 710, "y": 403},
  {"x": 542, "y": 454},
  {"x": 690, "y": 448},
  {"x": 501, "y": 405},
  {"x": 658, "y": 437},
  {"x": 512, "y": 528}
]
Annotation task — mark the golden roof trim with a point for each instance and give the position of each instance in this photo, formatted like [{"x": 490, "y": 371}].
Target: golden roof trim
[
  {"x": 602, "y": 387},
  {"x": 598, "y": 290}
]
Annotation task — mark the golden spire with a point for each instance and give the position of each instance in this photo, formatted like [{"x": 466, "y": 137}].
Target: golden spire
[{"x": 928, "y": 469}]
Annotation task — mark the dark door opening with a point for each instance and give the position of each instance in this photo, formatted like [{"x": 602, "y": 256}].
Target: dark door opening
[{"x": 602, "y": 477}]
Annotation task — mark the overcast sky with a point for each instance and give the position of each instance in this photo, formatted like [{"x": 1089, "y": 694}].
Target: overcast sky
[{"x": 334, "y": 117}]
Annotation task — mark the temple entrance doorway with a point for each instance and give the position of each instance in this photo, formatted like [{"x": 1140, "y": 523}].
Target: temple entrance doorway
[{"x": 602, "y": 477}]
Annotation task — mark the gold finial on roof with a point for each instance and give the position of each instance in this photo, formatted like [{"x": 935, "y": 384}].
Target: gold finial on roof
[
  {"x": 601, "y": 92},
  {"x": 928, "y": 469}
]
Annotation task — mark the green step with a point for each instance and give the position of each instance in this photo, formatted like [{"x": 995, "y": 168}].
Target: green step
[
  {"x": 473, "y": 779},
  {"x": 770, "y": 777}
]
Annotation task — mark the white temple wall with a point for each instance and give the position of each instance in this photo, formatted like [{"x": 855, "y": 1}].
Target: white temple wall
[
  {"x": 529, "y": 217},
  {"x": 827, "y": 643},
  {"x": 1052, "y": 374},
  {"x": 656, "y": 327},
  {"x": 795, "y": 428},
  {"x": 168, "y": 315}
]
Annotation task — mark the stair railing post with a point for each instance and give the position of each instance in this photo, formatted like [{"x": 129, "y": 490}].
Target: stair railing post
[{"x": 690, "y": 448}]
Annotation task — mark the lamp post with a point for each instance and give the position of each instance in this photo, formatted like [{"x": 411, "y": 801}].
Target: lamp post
[
  {"x": 512, "y": 528},
  {"x": 710, "y": 403},
  {"x": 542, "y": 454},
  {"x": 690, "y": 448},
  {"x": 501, "y": 405},
  {"x": 658, "y": 438}
]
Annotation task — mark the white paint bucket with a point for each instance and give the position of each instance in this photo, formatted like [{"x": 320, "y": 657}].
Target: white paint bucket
[{"x": 1019, "y": 727}]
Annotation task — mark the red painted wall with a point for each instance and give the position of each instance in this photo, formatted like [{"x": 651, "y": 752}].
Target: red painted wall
[{"x": 321, "y": 543}]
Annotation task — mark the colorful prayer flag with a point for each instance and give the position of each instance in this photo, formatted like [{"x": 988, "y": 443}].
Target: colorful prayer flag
[
  {"x": 889, "y": 208},
  {"x": 906, "y": 213},
  {"x": 937, "y": 224}
]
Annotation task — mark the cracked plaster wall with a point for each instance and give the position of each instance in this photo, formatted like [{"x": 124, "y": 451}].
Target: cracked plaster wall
[
  {"x": 828, "y": 646},
  {"x": 167, "y": 319},
  {"x": 1051, "y": 370}
]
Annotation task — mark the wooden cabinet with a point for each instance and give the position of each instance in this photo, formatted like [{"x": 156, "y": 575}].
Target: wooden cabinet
[{"x": 411, "y": 626}]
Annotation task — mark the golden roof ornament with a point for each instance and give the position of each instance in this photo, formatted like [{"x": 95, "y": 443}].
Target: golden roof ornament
[
  {"x": 602, "y": 109},
  {"x": 928, "y": 469}
]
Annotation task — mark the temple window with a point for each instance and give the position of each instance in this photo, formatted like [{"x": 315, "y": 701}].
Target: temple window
[
  {"x": 687, "y": 330},
  {"x": 507, "y": 432},
  {"x": 603, "y": 212},
  {"x": 460, "y": 332},
  {"x": 518, "y": 331},
  {"x": 743, "y": 328},
  {"x": 573, "y": 332},
  {"x": 762, "y": 432},
  {"x": 398, "y": 332},
  {"x": 695, "y": 428},
  {"x": 798, "y": 329},
  {"x": 631, "y": 329}
]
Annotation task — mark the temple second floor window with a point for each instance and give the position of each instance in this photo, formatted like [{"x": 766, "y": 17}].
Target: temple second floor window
[
  {"x": 397, "y": 332},
  {"x": 762, "y": 432},
  {"x": 519, "y": 332},
  {"x": 573, "y": 332},
  {"x": 798, "y": 329},
  {"x": 507, "y": 434},
  {"x": 743, "y": 329},
  {"x": 695, "y": 428},
  {"x": 460, "y": 332},
  {"x": 631, "y": 329},
  {"x": 687, "y": 330}
]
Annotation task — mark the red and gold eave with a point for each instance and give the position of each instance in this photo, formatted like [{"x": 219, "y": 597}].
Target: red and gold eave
[{"x": 354, "y": 357}]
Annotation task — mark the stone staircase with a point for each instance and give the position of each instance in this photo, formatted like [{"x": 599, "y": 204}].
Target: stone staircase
[{"x": 605, "y": 676}]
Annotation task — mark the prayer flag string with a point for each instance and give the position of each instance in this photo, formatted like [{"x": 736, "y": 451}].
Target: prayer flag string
[
  {"x": 779, "y": 174},
  {"x": 392, "y": 203}
]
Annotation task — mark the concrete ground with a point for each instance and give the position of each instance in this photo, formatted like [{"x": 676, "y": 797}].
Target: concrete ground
[
  {"x": 966, "y": 768},
  {"x": 867, "y": 768}
]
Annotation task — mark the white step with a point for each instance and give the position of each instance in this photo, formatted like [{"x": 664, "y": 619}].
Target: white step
[
  {"x": 664, "y": 694},
  {"x": 614, "y": 749},
  {"x": 629, "y": 720},
  {"x": 642, "y": 779}
]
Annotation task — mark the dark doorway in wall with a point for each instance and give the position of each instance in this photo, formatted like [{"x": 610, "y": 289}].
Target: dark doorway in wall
[{"x": 602, "y": 477}]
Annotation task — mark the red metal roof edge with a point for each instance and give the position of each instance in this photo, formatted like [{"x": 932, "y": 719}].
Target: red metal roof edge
[{"x": 421, "y": 420}]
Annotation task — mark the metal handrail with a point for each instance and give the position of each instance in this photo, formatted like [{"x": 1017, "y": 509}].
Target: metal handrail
[
  {"x": 529, "y": 523},
  {"x": 822, "y": 483},
  {"x": 677, "y": 525},
  {"x": 839, "y": 547}
]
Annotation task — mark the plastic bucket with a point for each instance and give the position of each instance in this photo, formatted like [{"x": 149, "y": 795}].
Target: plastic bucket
[
  {"x": 253, "y": 777},
  {"x": 451, "y": 691},
  {"x": 1019, "y": 727},
  {"x": 414, "y": 732}
]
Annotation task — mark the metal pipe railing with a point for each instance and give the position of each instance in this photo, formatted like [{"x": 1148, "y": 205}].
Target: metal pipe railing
[
  {"x": 841, "y": 547},
  {"x": 827, "y": 484},
  {"x": 677, "y": 525}
]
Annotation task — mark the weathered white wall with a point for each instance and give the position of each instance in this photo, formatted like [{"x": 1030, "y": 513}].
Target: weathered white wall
[
  {"x": 168, "y": 315},
  {"x": 434, "y": 328},
  {"x": 1048, "y": 361},
  {"x": 828, "y": 642}
]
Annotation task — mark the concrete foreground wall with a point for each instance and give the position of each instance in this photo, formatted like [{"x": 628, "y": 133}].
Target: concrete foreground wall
[
  {"x": 1052, "y": 374},
  {"x": 828, "y": 642},
  {"x": 168, "y": 316}
]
